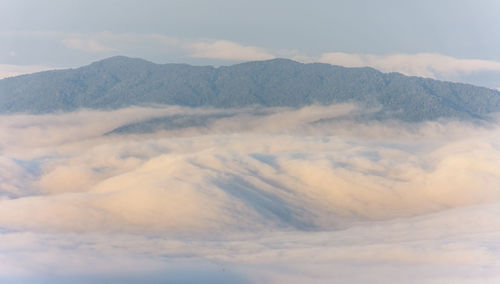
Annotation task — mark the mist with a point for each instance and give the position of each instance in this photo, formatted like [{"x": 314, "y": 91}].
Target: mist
[{"x": 249, "y": 195}]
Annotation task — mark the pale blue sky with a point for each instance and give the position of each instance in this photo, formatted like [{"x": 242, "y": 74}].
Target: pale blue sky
[{"x": 459, "y": 40}]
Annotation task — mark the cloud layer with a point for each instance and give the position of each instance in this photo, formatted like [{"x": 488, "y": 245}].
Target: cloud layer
[
  {"x": 156, "y": 46},
  {"x": 11, "y": 70},
  {"x": 430, "y": 65},
  {"x": 107, "y": 42},
  {"x": 248, "y": 197},
  {"x": 228, "y": 50}
]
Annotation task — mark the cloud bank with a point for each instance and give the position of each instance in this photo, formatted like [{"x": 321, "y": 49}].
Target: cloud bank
[
  {"x": 156, "y": 46},
  {"x": 274, "y": 195},
  {"x": 107, "y": 42},
  {"x": 89, "y": 45},
  {"x": 228, "y": 50},
  {"x": 432, "y": 65},
  {"x": 11, "y": 70}
]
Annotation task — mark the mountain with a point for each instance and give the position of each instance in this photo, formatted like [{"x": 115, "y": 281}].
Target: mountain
[{"x": 121, "y": 81}]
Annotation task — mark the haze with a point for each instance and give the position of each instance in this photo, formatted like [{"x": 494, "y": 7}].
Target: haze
[{"x": 125, "y": 171}]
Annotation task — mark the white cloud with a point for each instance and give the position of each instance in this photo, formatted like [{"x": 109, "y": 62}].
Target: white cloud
[
  {"x": 431, "y": 65},
  {"x": 228, "y": 50},
  {"x": 127, "y": 41},
  {"x": 155, "y": 45},
  {"x": 421, "y": 64},
  {"x": 86, "y": 45},
  {"x": 106, "y": 42},
  {"x": 11, "y": 70},
  {"x": 457, "y": 246},
  {"x": 249, "y": 197},
  {"x": 340, "y": 172}
]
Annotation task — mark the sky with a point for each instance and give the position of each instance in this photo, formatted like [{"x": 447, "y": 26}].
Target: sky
[{"x": 446, "y": 40}]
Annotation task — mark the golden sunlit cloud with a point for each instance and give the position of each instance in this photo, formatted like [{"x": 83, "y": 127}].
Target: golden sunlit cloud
[{"x": 277, "y": 173}]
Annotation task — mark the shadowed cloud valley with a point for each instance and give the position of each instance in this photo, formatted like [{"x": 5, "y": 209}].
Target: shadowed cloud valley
[{"x": 247, "y": 178}]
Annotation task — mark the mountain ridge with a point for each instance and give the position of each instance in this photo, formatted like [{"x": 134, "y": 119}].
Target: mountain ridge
[{"x": 121, "y": 81}]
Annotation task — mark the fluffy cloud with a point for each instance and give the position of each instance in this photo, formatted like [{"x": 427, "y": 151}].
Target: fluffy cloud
[
  {"x": 455, "y": 246},
  {"x": 248, "y": 197},
  {"x": 107, "y": 42},
  {"x": 156, "y": 45},
  {"x": 277, "y": 169},
  {"x": 11, "y": 70},
  {"x": 144, "y": 45},
  {"x": 228, "y": 50},
  {"x": 87, "y": 45},
  {"x": 421, "y": 64}
]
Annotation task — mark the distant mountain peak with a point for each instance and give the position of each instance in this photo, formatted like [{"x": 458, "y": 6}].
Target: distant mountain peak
[
  {"x": 280, "y": 61},
  {"x": 121, "y": 60}
]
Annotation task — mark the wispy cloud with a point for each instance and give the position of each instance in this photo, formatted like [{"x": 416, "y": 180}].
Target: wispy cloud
[
  {"x": 106, "y": 42},
  {"x": 228, "y": 50},
  {"x": 86, "y": 45},
  {"x": 11, "y": 70},
  {"x": 433, "y": 65},
  {"x": 420, "y": 64}
]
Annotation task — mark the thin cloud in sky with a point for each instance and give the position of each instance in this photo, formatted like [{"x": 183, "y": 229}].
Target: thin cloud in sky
[
  {"x": 11, "y": 70},
  {"x": 107, "y": 42},
  {"x": 86, "y": 45},
  {"x": 431, "y": 65},
  {"x": 228, "y": 50},
  {"x": 420, "y": 64}
]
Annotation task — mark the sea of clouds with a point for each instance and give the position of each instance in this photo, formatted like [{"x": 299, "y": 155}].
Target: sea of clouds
[{"x": 279, "y": 195}]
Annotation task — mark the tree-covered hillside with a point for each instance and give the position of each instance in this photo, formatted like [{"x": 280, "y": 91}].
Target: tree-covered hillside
[{"x": 120, "y": 81}]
